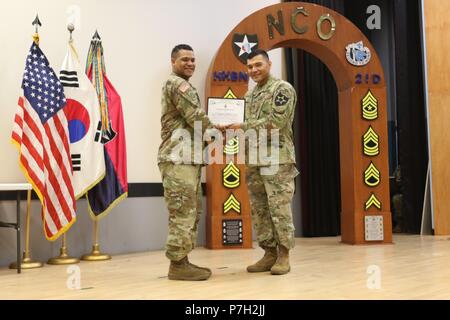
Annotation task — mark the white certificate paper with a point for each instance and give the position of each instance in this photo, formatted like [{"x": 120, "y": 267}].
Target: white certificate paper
[{"x": 223, "y": 111}]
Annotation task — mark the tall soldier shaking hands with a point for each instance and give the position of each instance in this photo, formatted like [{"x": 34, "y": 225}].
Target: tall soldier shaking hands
[{"x": 181, "y": 110}]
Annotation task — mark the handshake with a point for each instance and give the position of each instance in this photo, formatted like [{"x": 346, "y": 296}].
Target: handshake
[{"x": 233, "y": 126}]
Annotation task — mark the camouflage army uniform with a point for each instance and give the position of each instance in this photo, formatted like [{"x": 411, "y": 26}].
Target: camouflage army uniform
[
  {"x": 272, "y": 106},
  {"x": 181, "y": 181}
]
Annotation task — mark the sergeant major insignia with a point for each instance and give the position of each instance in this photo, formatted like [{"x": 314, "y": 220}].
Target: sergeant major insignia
[
  {"x": 281, "y": 99},
  {"x": 243, "y": 45}
]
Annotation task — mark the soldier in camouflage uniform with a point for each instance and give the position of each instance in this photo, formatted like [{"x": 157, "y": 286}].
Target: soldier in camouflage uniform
[
  {"x": 181, "y": 180},
  {"x": 271, "y": 105}
]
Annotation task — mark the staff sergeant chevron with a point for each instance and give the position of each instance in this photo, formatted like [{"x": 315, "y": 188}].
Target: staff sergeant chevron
[
  {"x": 232, "y": 204},
  {"x": 372, "y": 176}
]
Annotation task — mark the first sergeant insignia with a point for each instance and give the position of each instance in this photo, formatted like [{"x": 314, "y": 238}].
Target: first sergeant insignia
[
  {"x": 281, "y": 99},
  {"x": 243, "y": 45}
]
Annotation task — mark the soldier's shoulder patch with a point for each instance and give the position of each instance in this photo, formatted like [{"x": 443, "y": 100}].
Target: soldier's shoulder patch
[
  {"x": 184, "y": 86},
  {"x": 281, "y": 99}
]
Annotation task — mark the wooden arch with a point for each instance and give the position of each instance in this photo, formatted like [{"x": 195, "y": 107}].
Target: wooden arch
[{"x": 363, "y": 138}]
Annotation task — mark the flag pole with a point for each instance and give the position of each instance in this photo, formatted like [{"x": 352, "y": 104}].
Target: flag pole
[
  {"x": 64, "y": 258},
  {"x": 96, "y": 255},
  {"x": 27, "y": 262}
]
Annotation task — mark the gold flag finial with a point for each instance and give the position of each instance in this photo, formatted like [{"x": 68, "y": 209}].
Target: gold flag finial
[{"x": 36, "y": 23}]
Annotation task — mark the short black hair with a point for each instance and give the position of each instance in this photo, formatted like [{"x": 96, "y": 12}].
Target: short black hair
[
  {"x": 179, "y": 47},
  {"x": 258, "y": 52}
]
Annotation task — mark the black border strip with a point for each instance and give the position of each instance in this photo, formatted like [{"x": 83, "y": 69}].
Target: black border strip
[{"x": 135, "y": 190}]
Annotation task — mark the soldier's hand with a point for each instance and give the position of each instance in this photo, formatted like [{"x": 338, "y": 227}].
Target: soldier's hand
[
  {"x": 220, "y": 127},
  {"x": 234, "y": 126}
]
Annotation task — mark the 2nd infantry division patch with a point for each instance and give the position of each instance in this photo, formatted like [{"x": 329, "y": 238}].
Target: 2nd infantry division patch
[{"x": 281, "y": 99}]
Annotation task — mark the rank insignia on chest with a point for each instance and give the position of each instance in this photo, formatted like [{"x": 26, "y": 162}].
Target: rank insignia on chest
[{"x": 281, "y": 99}]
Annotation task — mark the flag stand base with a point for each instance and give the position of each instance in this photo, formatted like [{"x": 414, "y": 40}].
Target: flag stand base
[
  {"x": 96, "y": 255},
  {"x": 64, "y": 257},
  {"x": 63, "y": 260},
  {"x": 27, "y": 263}
]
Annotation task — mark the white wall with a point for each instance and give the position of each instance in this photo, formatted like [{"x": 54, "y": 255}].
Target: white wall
[{"x": 137, "y": 36}]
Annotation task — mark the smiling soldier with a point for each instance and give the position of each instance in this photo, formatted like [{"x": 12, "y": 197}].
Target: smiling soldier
[{"x": 181, "y": 110}]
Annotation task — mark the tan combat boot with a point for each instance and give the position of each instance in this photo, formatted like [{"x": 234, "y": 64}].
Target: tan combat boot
[
  {"x": 266, "y": 262},
  {"x": 282, "y": 265},
  {"x": 182, "y": 270},
  {"x": 196, "y": 266}
]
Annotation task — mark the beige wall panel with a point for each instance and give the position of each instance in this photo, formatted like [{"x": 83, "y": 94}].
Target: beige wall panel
[{"x": 437, "y": 25}]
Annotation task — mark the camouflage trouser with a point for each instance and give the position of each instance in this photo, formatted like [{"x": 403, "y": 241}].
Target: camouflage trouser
[
  {"x": 270, "y": 199},
  {"x": 183, "y": 195}
]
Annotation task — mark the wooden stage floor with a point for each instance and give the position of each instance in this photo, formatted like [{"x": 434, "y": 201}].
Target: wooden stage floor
[{"x": 414, "y": 267}]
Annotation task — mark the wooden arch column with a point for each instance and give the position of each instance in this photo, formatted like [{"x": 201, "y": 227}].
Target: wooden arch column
[{"x": 363, "y": 138}]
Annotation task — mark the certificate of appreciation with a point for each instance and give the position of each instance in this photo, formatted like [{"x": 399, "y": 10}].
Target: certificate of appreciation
[{"x": 224, "y": 111}]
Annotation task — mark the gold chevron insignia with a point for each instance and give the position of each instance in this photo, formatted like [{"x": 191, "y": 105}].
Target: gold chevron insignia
[
  {"x": 232, "y": 204},
  {"x": 371, "y": 147},
  {"x": 232, "y": 146},
  {"x": 370, "y": 107},
  {"x": 230, "y": 94},
  {"x": 373, "y": 201},
  {"x": 231, "y": 176},
  {"x": 372, "y": 176}
]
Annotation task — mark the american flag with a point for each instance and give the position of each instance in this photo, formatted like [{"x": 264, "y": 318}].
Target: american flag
[{"x": 41, "y": 134}]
